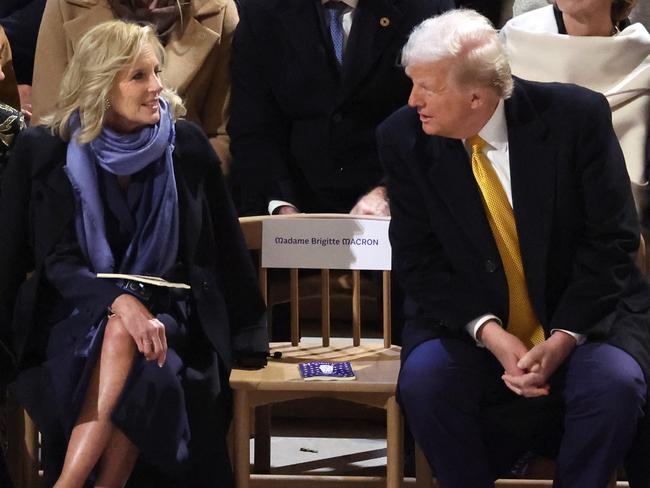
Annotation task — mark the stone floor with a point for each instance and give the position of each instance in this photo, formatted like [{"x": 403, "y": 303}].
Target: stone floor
[{"x": 326, "y": 446}]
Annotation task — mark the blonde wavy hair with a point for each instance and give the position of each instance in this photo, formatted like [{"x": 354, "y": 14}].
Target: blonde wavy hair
[{"x": 101, "y": 54}]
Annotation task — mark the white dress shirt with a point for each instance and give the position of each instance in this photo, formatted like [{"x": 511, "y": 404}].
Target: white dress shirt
[{"x": 495, "y": 134}]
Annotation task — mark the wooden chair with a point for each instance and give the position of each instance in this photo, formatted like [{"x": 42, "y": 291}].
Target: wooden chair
[
  {"x": 376, "y": 366},
  {"x": 23, "y": 448}
]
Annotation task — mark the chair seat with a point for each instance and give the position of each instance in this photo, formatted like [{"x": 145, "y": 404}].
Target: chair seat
[{"x": 375, "y": 367}]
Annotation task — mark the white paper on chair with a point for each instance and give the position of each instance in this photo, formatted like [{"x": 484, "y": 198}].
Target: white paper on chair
[
  {"x": 149, "y": 280},
  {"x": 316, "y": 243}
]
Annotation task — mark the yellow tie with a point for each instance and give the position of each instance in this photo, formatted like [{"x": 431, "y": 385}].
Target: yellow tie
[{"x": 522, "y": 321}]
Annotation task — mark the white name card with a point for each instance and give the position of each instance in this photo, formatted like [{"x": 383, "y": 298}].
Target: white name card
[{"x": 340, "y": 243}]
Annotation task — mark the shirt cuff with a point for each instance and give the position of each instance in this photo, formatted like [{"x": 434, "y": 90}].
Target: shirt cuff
[
  {"x": 275, "y": 204},
  {"x": 580, "y": 338},
  {"x": 473, "y": 326}
]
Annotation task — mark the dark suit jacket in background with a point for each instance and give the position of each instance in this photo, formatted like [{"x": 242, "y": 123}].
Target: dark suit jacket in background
[
  {"x": 301, "y": 127},
  {"x": 21, "y": 20},
  {"x": 575, "y": 218}
]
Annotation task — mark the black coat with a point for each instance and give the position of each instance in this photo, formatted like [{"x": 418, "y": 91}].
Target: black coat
[
  {"x": 575, "y": 217},
  {"x": 301, "y": 127},
  {"x": 37, "y": 204}
]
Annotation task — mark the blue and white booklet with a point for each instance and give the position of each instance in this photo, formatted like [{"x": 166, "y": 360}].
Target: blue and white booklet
[{"x": 326, "y": 371}]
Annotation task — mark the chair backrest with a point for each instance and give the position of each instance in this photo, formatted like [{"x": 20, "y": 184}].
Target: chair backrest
[{"x": 252, "y": 229}]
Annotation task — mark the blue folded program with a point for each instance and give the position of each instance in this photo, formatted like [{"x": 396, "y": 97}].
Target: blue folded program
[{"x": 322, "y": 370}]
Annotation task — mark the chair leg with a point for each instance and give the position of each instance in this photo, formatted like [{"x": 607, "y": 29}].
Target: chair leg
[
  {"x": 32, "y": 477},
  {"x": 242, "y": 439},
  {"x": 15, "y": 446},
  {"x": 394, "y": 445},
  {"x": 423, "y": 474},
  {"x": 22, "y": 453},
  {"x": 262, "y": 455}
]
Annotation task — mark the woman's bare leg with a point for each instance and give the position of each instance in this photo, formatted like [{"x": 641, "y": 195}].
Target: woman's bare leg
[
  {"x": 94, "y": 430},
  {"x": 117, "y": 461}
]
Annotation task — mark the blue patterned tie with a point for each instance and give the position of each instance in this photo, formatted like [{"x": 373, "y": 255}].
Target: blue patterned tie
[{"x": 334, "y": 10}]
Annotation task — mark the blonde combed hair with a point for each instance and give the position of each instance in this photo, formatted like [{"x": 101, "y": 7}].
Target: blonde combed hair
[{"x": 101, "y": 54}]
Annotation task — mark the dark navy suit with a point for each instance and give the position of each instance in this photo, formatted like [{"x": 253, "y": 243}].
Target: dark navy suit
[
  {"x": 302, "y": 127},
  {"x": 578, "y": 233}
]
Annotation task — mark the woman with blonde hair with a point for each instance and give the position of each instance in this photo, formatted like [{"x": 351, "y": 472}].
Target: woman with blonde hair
[
  {"x": 117, "y": 371},
  {"x": 196, "y": 35}
]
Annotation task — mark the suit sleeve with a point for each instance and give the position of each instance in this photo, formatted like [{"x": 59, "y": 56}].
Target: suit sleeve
[
  {"x": 604, "y": 257},
  {"x": 436, "y": 297},
  {"x": 259, "y": 129},
  {"x": 66, "y": 269},
  {"x": 49, "y": 61}
]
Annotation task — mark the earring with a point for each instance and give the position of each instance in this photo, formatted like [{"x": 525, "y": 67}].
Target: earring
[{"x": 107, "y": 104}]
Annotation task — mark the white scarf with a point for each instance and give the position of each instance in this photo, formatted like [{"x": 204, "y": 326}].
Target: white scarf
[{"x": 617, "y": 66}]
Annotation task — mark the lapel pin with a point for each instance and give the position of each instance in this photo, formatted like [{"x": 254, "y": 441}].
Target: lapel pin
[{"x": 384, "y": 22}]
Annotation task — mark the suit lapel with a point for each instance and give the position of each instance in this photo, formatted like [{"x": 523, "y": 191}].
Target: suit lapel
[
  {"x": 375, "y": 24},
  {"x": 49, "y": 167},
  {"x": 305, "y": 28},
  {"x": 60, "y": 191},
  {"x": 532, "y": 174},
  {"x": 53, "y": 199},
  {"x": 186, "y": 51},
  {"x": 451, "y": 175}
]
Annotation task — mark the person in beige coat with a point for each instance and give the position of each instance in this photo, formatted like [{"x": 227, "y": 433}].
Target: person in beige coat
[{"x": 197, "y": 48}]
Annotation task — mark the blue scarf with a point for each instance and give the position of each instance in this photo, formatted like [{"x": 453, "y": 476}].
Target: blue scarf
[{"x": 154, "y": 244}]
